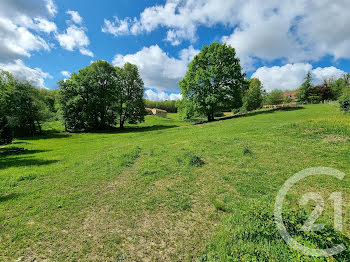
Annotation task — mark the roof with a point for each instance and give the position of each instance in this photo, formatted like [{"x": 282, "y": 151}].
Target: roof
[
  {"x": 160, "y": 110},
  {"x": 293, "y": 93}
]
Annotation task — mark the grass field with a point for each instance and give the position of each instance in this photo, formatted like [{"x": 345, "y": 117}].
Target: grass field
[{"x": 169, "y": 190}]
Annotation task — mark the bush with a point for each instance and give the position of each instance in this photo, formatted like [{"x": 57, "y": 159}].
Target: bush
[
  {"x": 196, "y": 161},
  {"x": 275, "y": 97},
  {"x": 253, "y": 97},
  {"x": 345, "y": 102}
]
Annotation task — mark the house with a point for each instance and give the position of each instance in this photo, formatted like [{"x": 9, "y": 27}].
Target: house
[
  {"x": 156, "y": 112},
  {"x": 291, "y": 95},
  {"x": 149, "y": 111},
  {"x": 159, "y": 112}
]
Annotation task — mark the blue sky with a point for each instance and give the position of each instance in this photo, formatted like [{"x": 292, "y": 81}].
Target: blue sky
[{"x": 277, "y": 41}]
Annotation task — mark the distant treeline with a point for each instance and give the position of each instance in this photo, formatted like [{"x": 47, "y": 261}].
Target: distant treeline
[{"x": 168, "y": 105}]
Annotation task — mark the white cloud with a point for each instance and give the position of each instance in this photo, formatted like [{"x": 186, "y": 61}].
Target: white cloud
[
  {"x": 291, "y": 76},
  {"x": 181, "y": 17},
  {"x": 75, "y": 38},
  {"x": 16, "y": 8},
  {"x": 17, "y": 41},
  {"x": 294, "y": 31},
  {"x": 43, "y": 25},
  {"x": 20, "y": 21},
  {"x": 76, "y": 18},
  {"x": 34, "y": 76},
  {"x": 65, "y": 73},
  {"x": 116, "y": 28},
  {"x": 51, "y": 7},
  {"x": 157, "y": 69},
  {"x": 161, "y": 96},
  {"x": 86, "y": 52}
]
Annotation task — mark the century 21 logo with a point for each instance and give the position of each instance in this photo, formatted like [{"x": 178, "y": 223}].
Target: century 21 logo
[{"x": 310, "y": 222}]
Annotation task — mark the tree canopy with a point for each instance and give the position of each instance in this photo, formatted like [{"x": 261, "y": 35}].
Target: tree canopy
[
  {"x": 214, "y": 81},
  {"x": 253, "y": 97},
  {"x": 131, "y": 106},
  {"x": 305, "y": 94},
  {"x": 21, "y": 107},
  {"x": 275, "y": 97},
  {"x": 99, "y": 95}
]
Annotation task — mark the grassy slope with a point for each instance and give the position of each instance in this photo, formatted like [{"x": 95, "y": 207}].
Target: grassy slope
[{"x": 143, "y": 194}]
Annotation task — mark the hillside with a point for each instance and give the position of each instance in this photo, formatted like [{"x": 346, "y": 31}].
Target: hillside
[{"x": 168, "y": 190}]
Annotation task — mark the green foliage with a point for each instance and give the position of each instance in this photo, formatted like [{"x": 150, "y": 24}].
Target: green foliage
[
  {"x": 253, "y": 97},
  {"x": 253, "y": 236},
  {"x": 130, "y": 103},
  {"x": 88, "y": 98},
  {"x": 304, "y": 93},
  {"x": 287, "y": 100},
  {"x": 169, "y": 105},
  {"x": 100, "y": 96},
  {"x": 186, "y": 109},
  {"x": 275, "y": 97},
  {"x": 214, "y": 81},
  {"x": 51, "y": 100},
  {"x": 339, "y": 86},
  {"x": 22, "y": 105},
  {"x": 344, "y": 102}
]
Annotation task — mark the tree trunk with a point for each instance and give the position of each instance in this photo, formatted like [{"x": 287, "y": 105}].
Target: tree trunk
[
  {"x": 210, "y": 117},
  {"x": 40, "y": 130}
]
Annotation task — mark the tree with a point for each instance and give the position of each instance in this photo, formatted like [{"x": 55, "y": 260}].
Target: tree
[
  {"x": 214, "y": 81},
  {"x": 304, "y": 95},
  {"x": 130, "y": 103},
  {"x": 275, "y": 97},
  {"x": 50, "y": 98},
  {"x": 320, "y": 93},
  {"x": 338, "y": 86},
  {"x": 22, "y": 105},
  {"x": 88, "y": 99},
  {"x": 253, "y": 97}
]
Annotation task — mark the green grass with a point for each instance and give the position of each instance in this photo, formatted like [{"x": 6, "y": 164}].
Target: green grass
[{"x": 168, "y": 190}]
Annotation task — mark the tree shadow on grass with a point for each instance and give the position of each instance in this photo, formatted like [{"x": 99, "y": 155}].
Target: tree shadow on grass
[
  {"x": 23, "y": 161},
  {"x": 254, "y": 113},
  {"x": 7, "y": 197},
  {"x": 8, "y": 162},
  {"x": 133, "y": 129},
  {"x": 16, "y": 157},
  {"x": 19, "y": 151},
  {"x": 47, "y": 136}
]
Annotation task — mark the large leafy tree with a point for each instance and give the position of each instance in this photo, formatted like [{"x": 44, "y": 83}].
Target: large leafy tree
[
  {"x": 130, "y": 103},
  {"x": 214, "y": 81},
  {"x": 88, "y": 98},
  {"x": 339, "y": 86},
  {"x": 22, "y": 105},
  {"x": 253, "y": 97}
]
